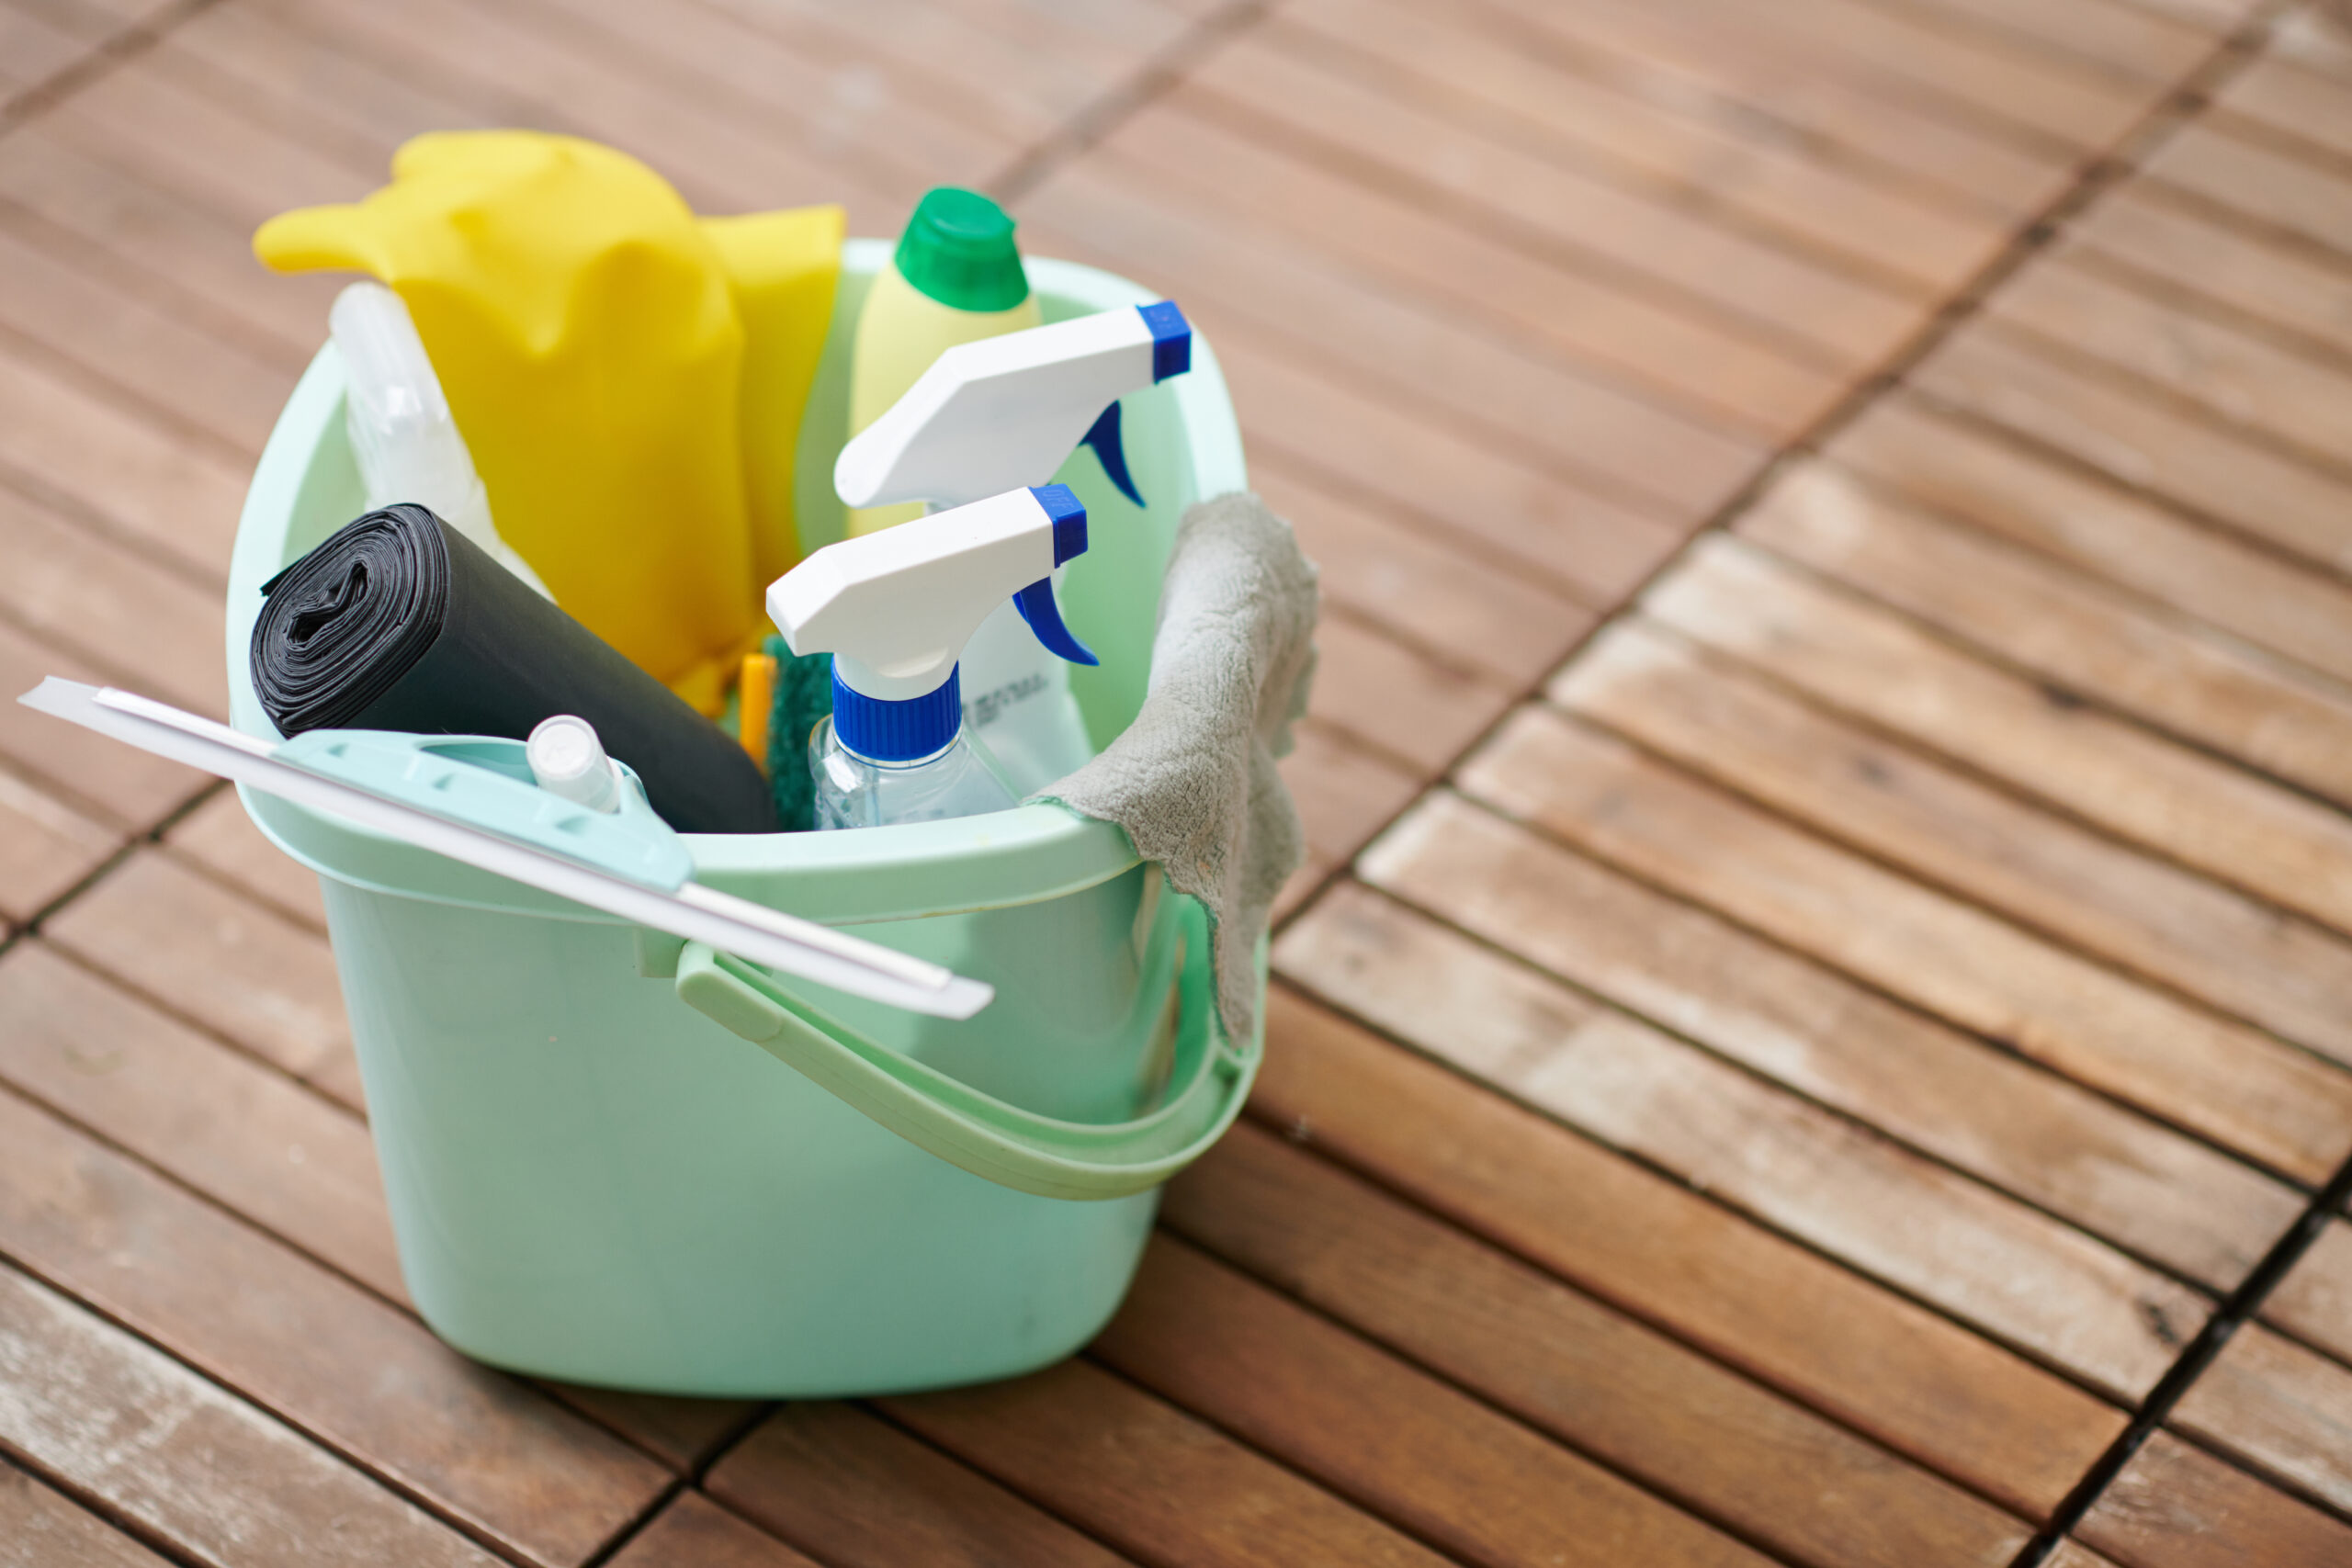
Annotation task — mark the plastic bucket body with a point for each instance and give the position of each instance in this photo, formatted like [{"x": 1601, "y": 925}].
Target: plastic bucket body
[{"x": 591, "y": 1180}]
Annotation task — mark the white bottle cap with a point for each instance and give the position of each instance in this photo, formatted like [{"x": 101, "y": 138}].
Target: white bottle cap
[{"x": 567, "y": 760}]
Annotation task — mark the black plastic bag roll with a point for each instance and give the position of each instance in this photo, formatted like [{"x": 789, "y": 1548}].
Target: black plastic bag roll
[{"x": 400, "y": 622}]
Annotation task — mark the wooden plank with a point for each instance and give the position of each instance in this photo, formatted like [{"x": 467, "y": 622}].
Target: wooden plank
[
  {"x": 2243, "y": 1088},
  {"x": 2126, "y": 41},
  {"x": 1745, "y": 79},
  {"x": 177, "y": 247},
  {"x": 1469, "y": 75},
  {"x": 1460, "y": 477},
  {"x": 2061, "y": 629},
  {"x": 2276, "y": 96},
  {"x": 1400, "y": 700},
  {"x": 548, "y": 77},
  {"x": 1388, "y": 130},
  {"x": 208, "y": 1116},
  {"x": 707, "y": 55},
  {"x": 222, "y": 961},
  {"x": 2019, "y": 94},
  {"x": 1453, "y": 1470},
  {"x": 2175, "y": 1507},
  {"x": 1020, "y": 67},
  {"x": 1761, "y": 1464},
  {"x": 148, "y": 485},
  {"x": 475, "y": 1446},
  {"x": 2279, "y": 1407},
  {"x": 38, "y": 1529},
  {"x": 2075, "y": 1555},
  {"x": 1439, "y": 596},
  {"x": 1299, "y": 887},
  {"x": 2233, "y": 376},
  {"x": 108, "y": 781},
  {"x": 267, "y": 58},
  {"x": 2138, "y": 232},
  {"x": 1298, "y": 294},
  {"x": 220, "y": 837},
  {"x": 140, "y": 119},
  {"x": 1649, "y": 1244},
  {"x": 1995, "y": 485},
  {"x": 2296, "y": 199},
  {"x": 155, "y": 627},
  {"x": 2144, "y": 443},
  {"x": 2314, "y": 1300},
  {"x": 2028, "y": 1280},
  {"x": 1150, "y": 1479},
  {"x": 104, "y": 1414},
  {"x": 692, "y": 1532},
  {"x": 2313, "y": 39},
  {"x": 1599, "y": 317},
  {"x": 34, "y": 48},
  {"x": 46, "y": 847},
  {"x": 853, "y": 1492},
  {"x": 1345, "y": 792},
  {"x": 2062, "y": 1150},
  {"x": 1867, "y": 663},
  {"x": 149, "y": 354},
  {"x": 2170, "y": 927}
]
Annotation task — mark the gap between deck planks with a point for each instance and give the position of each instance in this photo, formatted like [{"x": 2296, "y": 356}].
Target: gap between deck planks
[{"x": 2062, "y": 106}]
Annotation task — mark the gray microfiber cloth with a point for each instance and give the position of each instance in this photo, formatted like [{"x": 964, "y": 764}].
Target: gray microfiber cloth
[{"x": 1193, "y": 779}]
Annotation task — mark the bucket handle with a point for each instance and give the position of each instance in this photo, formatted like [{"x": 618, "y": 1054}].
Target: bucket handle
[{"x": 985, "y": 1135}]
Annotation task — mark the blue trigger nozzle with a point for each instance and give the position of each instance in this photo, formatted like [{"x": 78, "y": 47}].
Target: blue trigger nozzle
[
  {"x": 1035, "y": 602},
  {"x": 1036, "y": 605},
  {"x": 1104, "y": 437}
]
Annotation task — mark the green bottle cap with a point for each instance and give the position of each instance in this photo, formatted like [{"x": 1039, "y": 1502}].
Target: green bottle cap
[{"x": 959, "y": 249}]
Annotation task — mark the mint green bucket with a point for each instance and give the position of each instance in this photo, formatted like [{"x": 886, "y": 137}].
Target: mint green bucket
[{"x": 593, "y": 1174}]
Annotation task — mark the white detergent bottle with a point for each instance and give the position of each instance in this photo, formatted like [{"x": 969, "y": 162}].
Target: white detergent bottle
[
  {"x": 988, "y": 416},
  {"x": 894, "y": 610},
  {"x": 406, "y": 443}
]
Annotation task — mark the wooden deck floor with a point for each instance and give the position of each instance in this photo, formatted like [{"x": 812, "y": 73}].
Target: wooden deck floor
[{"x": 1819, "y": 1029}]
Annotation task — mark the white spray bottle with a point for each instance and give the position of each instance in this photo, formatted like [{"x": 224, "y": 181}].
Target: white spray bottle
[
  {"x": 991, "y": 415},
  {"x": 407, "y": 445},
  {"x": 895, "y": 609}
]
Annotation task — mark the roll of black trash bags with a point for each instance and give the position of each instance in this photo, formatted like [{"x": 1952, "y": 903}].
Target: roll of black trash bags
[{"x": 400, "y": 622}]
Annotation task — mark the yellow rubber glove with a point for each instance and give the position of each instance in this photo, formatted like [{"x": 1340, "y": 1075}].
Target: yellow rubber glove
[{"x": 582, "y": 326}]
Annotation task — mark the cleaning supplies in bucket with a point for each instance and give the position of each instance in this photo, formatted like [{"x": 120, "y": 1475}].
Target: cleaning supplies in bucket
[
  {"x": 894, "y": 610},
  {"x": 400, "y": 622},
  {"x": 955, "y": 277},
  {"x": 403, "y": 436},
  {"x": 994, "y": 414},
  {"x": 588, "y": 334}
]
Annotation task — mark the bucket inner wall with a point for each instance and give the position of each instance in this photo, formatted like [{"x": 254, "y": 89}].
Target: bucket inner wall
[{"x": 591, "y": 1181}]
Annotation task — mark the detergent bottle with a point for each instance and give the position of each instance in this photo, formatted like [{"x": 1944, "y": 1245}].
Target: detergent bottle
[
  {"x": 993, "y": 415},
  {"x": 403, "y": 436},
  {"x": 955, "y": 277},
  {"x": 894, "y": 610}
]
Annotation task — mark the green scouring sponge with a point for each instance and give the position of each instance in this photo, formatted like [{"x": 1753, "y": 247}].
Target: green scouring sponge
[{"x": 804, "y": 693}]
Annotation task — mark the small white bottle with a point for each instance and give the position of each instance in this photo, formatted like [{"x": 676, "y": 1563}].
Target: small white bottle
[
  {"x": 402, "y": 435},
  {"x": 1004, "y": 411},
  {"x": 894, "y": 610}
]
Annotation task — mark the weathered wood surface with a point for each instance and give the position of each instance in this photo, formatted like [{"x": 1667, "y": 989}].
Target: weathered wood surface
[{"x": 1825, "y": 954}]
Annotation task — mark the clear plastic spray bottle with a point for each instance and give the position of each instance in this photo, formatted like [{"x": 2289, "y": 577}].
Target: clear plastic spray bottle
[{"x": 894, "y": 610}]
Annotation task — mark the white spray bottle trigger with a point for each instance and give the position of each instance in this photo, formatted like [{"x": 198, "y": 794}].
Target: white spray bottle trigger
[
  {"x": 896, "y": 608},
  {"x": 1006, "y": 411}
]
